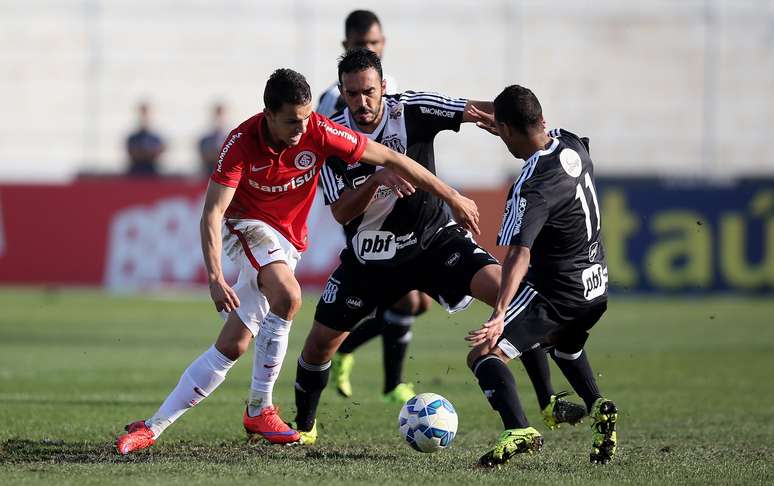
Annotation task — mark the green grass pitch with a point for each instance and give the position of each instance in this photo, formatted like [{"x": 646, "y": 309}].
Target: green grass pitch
[{"x": 691, "y": 377}]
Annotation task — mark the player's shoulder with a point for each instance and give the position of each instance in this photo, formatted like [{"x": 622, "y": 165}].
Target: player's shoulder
[
  {"x": 332, "y": 92},
  {"x": 562, "y": 161},
  {"x": 246, "y": 134},
  {"x": 570, "y": 139}
]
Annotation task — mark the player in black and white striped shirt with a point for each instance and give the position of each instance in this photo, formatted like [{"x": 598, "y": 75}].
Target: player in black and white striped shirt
[
  {"x": 362, "y": 28},
  {"x": 554, "y": 278},
  {"x": 398, "y": 239}
]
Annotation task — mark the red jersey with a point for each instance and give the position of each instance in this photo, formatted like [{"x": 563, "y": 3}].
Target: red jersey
[{"x": 278, "y": 187}]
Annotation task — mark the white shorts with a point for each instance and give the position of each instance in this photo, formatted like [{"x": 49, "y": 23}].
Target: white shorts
[{"x": 251, "y": 244}]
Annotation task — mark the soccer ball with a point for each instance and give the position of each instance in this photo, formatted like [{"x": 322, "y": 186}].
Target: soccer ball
[{"x": 428, "y": 422}]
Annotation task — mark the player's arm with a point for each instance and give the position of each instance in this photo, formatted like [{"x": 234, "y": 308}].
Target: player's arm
[
  {"x": 215, "y": 203},
  {"x": 515, "y": 267},
  {"x": 478, "y": 111},
  {"x": 354, "y": 202},
  {"x": 464, "y": 209}
]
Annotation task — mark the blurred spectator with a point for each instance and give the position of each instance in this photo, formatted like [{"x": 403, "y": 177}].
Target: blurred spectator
[
  {"x": 144, "y": 146},
  {"x": 212, "y": 141}
]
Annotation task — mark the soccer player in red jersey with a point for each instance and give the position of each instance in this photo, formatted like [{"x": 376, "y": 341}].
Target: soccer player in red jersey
[{"x": 256, "y": 207}]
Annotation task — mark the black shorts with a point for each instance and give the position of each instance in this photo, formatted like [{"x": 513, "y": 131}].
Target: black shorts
[
  {"x": 533, "y": 321},
  {"x": 443, "y": 271}
]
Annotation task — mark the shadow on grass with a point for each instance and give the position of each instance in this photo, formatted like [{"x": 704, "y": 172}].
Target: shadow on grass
[{"x": 24, "y": 451}]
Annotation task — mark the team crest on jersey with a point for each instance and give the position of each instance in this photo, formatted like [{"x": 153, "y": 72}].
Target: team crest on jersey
[
  {"x": 396, "y": 112},
  {"x": 395, "y": 143},
  {"x": 571, "y": 162},
  {"x": 329, "y": 293},
  {"x": 305, "y": 159}
]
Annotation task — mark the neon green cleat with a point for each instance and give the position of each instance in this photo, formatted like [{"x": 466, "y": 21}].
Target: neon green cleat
[
  {"x": 341, "y": 368},
  {"x": 510, "y": 443},
  {"x": 306, "y": 437},
  {"x": 560, "y": 411},
  {"x": 400, "y": 394},
  {"x": 604, "y": 416}
]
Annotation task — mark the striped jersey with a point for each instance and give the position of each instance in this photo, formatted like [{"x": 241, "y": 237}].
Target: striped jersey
[
  {"x": 331, "y": 101},
  {"x": 553, "y": 209},
  {"x": 393, "y": 230}
]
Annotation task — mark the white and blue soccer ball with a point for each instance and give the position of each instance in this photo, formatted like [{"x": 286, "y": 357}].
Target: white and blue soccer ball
[{"x": 428, "y": 422}]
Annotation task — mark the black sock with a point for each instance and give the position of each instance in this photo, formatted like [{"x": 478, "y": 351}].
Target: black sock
[
  {"x": 499, "y": 387},
  {"x": 310, "y": 382},
  {"x": 395, "y": 340},
  {"x": 578, "y": 372},
  {"x": 535, "y": 362},
  {"x": 363, "y": 333}
]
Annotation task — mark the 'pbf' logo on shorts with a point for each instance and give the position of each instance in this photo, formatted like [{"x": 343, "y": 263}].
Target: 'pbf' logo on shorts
[
  {"x": 329, "y": 293},
  {"x": 305, "y": 159}
]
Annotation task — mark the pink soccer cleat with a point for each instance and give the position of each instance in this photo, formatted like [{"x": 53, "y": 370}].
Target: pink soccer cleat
[
  {"x": 138, "y": 436},
  {"x": 270, "y": 426}
]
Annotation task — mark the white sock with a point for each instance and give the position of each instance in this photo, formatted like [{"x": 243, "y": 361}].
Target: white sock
[
  {"x": 271, "y": 344},
  {"x": 200, "y": 379}
]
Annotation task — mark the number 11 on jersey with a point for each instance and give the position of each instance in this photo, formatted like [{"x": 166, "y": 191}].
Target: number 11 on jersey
[{"x": 580, "y": 195}]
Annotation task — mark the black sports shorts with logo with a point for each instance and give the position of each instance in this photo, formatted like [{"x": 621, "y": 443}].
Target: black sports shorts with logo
[
  {"x": 443, "y": 271},
  {"x": 532, "y": 321}
]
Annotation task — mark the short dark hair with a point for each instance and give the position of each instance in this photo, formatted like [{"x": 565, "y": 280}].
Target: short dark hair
[
  {"x": 360, "y": 22},
  {"x": 359, "y": 59},
  {"x": 286, "y": 86},
  {"x": 518, "y": 107}
]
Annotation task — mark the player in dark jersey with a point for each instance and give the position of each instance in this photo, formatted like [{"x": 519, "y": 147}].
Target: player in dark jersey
[
  {"x": 362, "y": 28},
  {"x": 398, "y": 239},
  {"x": 554, "y": 277}
]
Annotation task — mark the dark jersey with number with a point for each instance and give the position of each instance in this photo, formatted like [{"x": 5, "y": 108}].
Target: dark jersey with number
[
  {"x": 393, "y": 230},
  {"x": 553, "y": 209}
]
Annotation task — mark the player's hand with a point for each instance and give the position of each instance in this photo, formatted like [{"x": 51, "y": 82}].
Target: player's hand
[
  {"x": 223, "y": 296},
  {"x": 400, "y": 186},
  {"x": 488, "y": 333},
  {"x": 465, "y": 213},
  {"x": 484, "y": 120}
]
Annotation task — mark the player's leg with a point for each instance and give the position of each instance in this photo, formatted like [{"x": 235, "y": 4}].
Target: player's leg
[
  {"x": 312, "y": 376},
  {"x": 485, "y": 286},
  {"x": 344, "y": 360},
  {"x": 398, "y": 320},
  {"x": 571, "y": 357},
  {"x": 527, "y": 323},
  {"x": 197, "y": 382},
  {"x": 351, "y": 293},
  {"x": 498, "y": 384},
  {"x": 461, "y": 267},
  {"x": 283, "y": 295}
]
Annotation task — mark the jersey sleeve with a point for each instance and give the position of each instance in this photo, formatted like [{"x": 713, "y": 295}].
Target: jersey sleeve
[
  {"x": 333, "y": 181},
  {"x": 435, "y": 112},
  {"x": 340, "y": 141},
  {"x": 526, "y": 211},
  {"x": 231, "y": 162}
]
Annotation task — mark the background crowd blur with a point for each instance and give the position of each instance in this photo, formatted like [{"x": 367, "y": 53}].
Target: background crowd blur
[{"x": 677, "y": 98}]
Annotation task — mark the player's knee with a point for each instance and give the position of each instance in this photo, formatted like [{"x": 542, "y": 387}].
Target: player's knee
[
  {"x": 423, "y": 304},
  {"x": 287, "y": 302},
  {"x": 232, "y": 349}
]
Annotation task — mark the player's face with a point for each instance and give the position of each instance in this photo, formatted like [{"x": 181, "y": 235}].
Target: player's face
[
  {"x": 363, "y": 92},
  {"x": 289, "y": 123},
  {"x": 372, "y": 40}
]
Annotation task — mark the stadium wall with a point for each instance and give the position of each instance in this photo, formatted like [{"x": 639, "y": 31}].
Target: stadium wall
[
  {"x": 128, "y": 235},
  {"x": 661, "y": 87}
]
